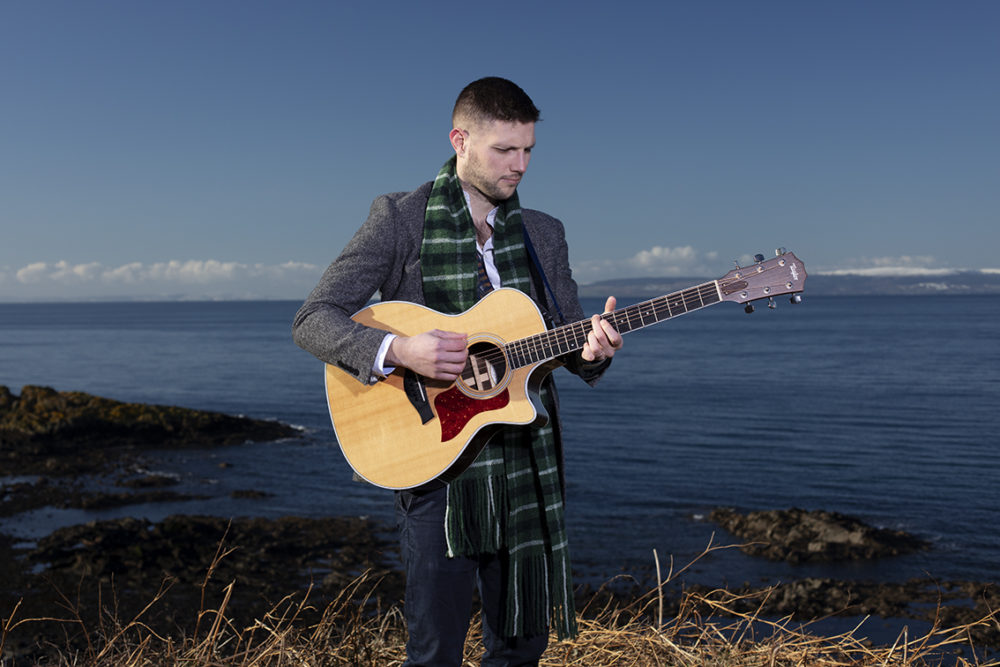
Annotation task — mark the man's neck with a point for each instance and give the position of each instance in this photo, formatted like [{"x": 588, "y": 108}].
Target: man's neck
[{"x": 479, "y": 207}]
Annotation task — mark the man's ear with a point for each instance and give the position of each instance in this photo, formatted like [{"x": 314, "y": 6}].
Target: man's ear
[{"x": 458, "y": 139}]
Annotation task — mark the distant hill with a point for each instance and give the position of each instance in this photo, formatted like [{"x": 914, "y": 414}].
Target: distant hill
[{"x": 963, "y": 282}]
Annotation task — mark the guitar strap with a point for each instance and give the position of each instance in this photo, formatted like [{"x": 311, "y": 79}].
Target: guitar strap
[{"x": 538, "y": 277}]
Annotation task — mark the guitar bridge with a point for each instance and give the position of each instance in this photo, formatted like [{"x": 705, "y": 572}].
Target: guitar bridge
[{"x": 416, "y": 392}]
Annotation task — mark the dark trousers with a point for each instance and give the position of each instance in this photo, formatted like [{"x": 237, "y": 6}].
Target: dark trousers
[{"x": 439, "y": 592}]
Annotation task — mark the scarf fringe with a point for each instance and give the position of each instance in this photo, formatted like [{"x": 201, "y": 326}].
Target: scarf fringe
[
  {"x": 564, "y": 607},
  {"x": 474, "y": 527},
  {"x": 532, "y": 615}
]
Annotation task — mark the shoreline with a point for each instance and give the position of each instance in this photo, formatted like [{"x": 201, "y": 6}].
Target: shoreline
[{"x": 272, "y": 558}]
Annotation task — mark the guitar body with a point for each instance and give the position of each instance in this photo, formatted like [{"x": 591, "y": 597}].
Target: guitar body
[{"x": 407, "y": 430}]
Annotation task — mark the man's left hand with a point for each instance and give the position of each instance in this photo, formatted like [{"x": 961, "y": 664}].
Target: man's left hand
[{"x": 602, "y": 341}]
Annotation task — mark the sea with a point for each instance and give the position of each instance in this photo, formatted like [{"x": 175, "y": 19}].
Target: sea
[{"x": 885, "y": 408}]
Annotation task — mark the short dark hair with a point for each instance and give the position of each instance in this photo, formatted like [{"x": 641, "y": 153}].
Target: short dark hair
[{"x": 494, "y": 98}]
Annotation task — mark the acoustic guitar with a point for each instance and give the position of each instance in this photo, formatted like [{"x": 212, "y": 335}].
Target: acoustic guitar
[{"x": 408, "y": 430}]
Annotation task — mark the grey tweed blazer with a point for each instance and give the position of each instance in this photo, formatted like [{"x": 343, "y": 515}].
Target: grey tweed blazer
[{"x": 384, "y": 257}]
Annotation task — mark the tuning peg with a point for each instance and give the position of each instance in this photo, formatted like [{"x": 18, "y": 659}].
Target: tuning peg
[
  {"x": 758, "y": 258},
  {"x": 770, "y": 303},
  {"x": 795, "y": 298},
  {"x": 778, "y": 252},
  {"x": 748, "y": 308}
]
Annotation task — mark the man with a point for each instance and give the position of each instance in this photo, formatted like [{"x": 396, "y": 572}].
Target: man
[{"x": 499, "y": 525}]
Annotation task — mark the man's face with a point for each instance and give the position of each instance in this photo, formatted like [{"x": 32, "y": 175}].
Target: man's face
[{"x": 496, "y": 156}]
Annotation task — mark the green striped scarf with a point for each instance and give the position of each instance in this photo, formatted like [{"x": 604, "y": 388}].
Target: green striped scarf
[{"x": 509, "y": 502}]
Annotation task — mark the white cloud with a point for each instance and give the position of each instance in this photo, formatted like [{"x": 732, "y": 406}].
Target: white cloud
[
  {"x": 197, "y": 271},
  {"x": 659, "y": 256},
  {"x": 35, "y": 272},
  {"x": 903, "y": 265},
  {"x": 686, "y": 261},
  {"x": 214, "y": 279},
  {"x": 64, "y": 271},
  {"x": 191, "y": 279},
  {"x": 658, "y": 261},
  {"x": 126, "y": 273}
]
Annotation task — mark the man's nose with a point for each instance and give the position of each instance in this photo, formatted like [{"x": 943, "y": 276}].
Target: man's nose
[{"x": 521, "y": 161}]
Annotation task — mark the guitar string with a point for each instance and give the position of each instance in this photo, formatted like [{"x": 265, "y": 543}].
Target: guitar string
[
  {"x": 624, "y": 319},
  {"x": 575, "y": 334}
]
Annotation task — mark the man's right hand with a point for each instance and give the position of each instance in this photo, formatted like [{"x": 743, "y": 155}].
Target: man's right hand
[{"x": 435, "y": 354}]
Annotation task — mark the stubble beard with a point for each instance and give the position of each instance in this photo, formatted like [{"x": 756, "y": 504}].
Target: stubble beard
[{"x": 495, "y": 191}]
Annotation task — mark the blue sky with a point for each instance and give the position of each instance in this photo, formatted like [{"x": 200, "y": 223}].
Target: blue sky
[{"x": 229, "y": 149}]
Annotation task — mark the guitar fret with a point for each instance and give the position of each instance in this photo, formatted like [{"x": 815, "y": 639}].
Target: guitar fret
[
  {"x": 523, "y": 353},
  {"x": 678, "y": 304},
  {"x": 630, "y": 314},
  {"x": 567, "y": 345},
  {"x": 572, "y": 337},
  {"x": 547, "y": 344},
  {"x": 519, "y": 351},
  {"x": 656, "y": 307},
  {"x": 647, "y": 311},
  {"x": 531, "y": 351},
  {"x": 539, "y": 349},
  {"x": 564, "y": 345}
]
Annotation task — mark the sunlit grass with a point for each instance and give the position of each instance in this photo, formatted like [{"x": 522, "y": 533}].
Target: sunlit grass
[{"x": 706, "y": 630}]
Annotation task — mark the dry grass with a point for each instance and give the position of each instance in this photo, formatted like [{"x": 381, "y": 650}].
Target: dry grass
[
  {"x": 705, "y": 632},
  {"x": 723, "y": 637}
]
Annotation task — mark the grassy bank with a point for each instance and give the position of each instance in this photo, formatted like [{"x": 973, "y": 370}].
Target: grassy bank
[
  {"x": 350, "y": 633},
  {"x": 353, "y": 629}
]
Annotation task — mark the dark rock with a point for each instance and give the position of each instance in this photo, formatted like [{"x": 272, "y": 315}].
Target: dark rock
[
  {"x": 95, "y": 501},
  {"x": 149, "y": 481},
  {"x": 250, "y": 494},
  {"x": 62, "y": 492},
  {"x": 800, "y": 536},
  {"x": 277, "y": 555},
  {"x": 62, "y": 432},
  {"x": 24, "y": 496}
]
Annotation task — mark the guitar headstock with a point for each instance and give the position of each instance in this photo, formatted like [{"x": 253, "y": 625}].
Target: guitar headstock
[{"x": 784, "y": 274}]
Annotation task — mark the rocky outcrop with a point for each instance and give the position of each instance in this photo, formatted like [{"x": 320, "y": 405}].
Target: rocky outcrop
[
  {"x": 197, "y": 563},
  {"x": 800, "y": 536},
  {"x": 44, "y": 430},
  {"x": 271, "y": 557}
]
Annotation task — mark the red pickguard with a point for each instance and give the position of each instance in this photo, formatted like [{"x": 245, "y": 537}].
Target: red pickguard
[{"x": 455, "y": 409}]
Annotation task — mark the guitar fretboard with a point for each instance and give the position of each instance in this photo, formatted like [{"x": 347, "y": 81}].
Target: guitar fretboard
[{"x": 569, "y": 338}]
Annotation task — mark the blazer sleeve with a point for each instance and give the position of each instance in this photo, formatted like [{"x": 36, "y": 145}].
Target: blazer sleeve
[{"x": 380, "y": 258}]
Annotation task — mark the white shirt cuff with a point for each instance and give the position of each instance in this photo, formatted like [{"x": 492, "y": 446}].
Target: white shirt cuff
[{"x": 380, "y": 369}]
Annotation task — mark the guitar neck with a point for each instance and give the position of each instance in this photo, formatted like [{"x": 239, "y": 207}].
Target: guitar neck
[{"x": 572, "y": 337}]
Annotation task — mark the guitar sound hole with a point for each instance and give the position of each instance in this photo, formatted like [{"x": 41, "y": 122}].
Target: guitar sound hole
[{"x": 485, "y": 367}]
